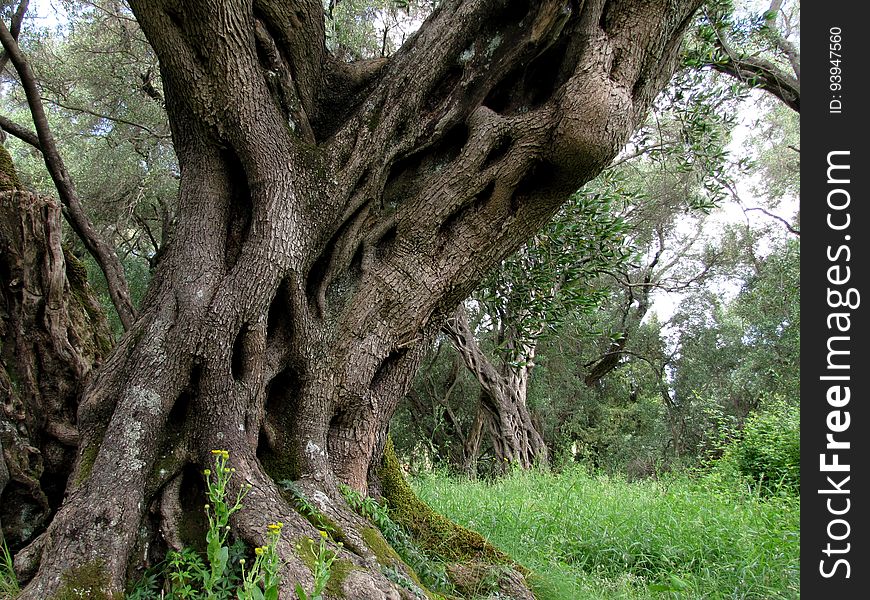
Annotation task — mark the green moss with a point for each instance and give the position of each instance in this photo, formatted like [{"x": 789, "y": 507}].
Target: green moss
[
  {"x": 338, "y": 572},
  {"x": 382, "y": 550},
  {"x": 432, "y": 531},
  {"x": 86, "y": 581},
  {"x": 305, "y": 548},
  {"x": 8, "y": 176},
  {"x": 76, "y": 271},
  {"x": 86, "y": 463}
]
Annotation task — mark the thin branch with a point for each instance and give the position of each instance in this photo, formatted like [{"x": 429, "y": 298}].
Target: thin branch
[
  {"x": 14, "y": 30},
  {"x": 94, "y": 113},
  {"x": 757, "y": 72},
  {"x": 789, "y": 226},
  {"x": 102, "y": 252}
]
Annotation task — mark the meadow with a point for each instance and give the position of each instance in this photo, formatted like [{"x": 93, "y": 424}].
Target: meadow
[{"x": 598, "y": 537}]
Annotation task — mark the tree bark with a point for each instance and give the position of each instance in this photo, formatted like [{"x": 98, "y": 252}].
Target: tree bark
[
  {"x": 53, "y": 334},
  {"x": 329, "y": 219},
  {"x": 515, "y": 440}
]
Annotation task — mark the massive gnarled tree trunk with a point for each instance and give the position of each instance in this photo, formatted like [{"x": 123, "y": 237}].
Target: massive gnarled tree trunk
[{"x": 330, "y": 217}]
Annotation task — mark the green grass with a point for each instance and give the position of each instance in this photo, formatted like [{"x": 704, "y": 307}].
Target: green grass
[
  {"x": 8, "y": 583},
  {"x": 602, "y": 537}
]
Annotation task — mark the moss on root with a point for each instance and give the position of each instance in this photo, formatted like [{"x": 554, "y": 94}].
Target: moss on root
[
  {"x": 434, "y": 532},
  {"x": 86, "y": 464},
  {"x": 385, "y": 553},
  {"x": 87, "y": 581},
  {"x": 478, "y": 568},
  {"x": 8, "y": 176}
]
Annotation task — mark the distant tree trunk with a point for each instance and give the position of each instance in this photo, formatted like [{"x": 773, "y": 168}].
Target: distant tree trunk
[
  {"x": 471, "y": 446},
  {"x": 330, "y": 217},
  {"x": 53, "y": 334},
  {"x": 513, "y": 435}
]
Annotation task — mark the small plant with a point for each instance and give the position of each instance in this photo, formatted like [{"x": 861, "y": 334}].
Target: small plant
[
  {"x": 8, "y": 581},
  {"x": 221, "y": 575},
  {"x": 323, "y": 559},
  {"x": 264, "y": 571},
  {"x": 218, "y": 512},
  {"x": 187, "y": 574}
]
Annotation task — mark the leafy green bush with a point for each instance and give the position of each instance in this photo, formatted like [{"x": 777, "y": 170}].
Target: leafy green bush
[{"x": 767, "y": 449}]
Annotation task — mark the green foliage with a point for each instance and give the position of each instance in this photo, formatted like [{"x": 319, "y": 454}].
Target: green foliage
[
  {"x": 551, "y": 277},
  {"x": 431, "y": 570},
  {"x": 601, "y": 537},
  {"x": 187, "y": 574},
  {"x": 218, "y": 513},
  {"x": 103, "y": 97},
  {"x": 776, "y": 152},
  {"x": 727, "y": 31},
  {"x": 221, "y": 574},
  {"x": 321, "y": 568},
  {"x": 360, "y": 29},
  {"x": 733, "y": 356},
  {"x": 261, "y": 581},
  {"x": 766, "y": 451}
]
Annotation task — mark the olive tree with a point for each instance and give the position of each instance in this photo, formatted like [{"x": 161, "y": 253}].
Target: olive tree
[{"x": 331, "y": 215}]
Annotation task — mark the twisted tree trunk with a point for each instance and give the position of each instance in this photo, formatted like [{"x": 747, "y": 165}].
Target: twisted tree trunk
[
  {"x": 330, "y": 217},
  {"x": 52, "y": 334},
  {"x": 515, "y": 439}
]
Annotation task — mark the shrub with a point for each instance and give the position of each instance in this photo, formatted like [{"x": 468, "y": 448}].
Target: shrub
[{"x": 767, "y": 449}]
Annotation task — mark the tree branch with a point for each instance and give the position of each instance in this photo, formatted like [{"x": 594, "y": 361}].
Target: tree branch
[
  {"x": 19, "y": 131},
  {"x": 758, "y": 72},
  {"x": 791, "y": 229},
  {"x": 763, "y": 74},
  {"x": 94, "y": 113}
]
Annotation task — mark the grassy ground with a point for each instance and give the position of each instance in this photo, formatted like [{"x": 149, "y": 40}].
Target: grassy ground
[{"x": 600, "y": 537}]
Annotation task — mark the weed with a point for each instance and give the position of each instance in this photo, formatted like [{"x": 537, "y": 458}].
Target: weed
[
  {"x": 264, "y": 571},
  {"x": 323, "y": 559},
  {"x": 221, "y": 575},
  {"x": 218, "y": 512}
]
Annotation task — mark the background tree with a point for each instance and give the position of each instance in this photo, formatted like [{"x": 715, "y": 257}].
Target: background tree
[
  {"x": 530, "y": 292},
  {"x": 99, "y": 80},
  {"x": 52, "y": 336},
  {"x": 618, "y": 244}
]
